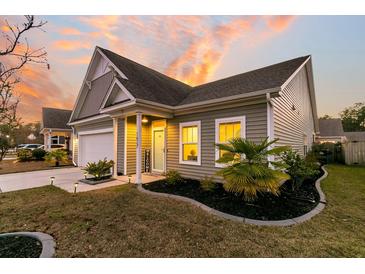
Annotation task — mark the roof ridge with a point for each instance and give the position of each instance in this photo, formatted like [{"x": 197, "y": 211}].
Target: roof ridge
[
  {"x": 253, "y": 70},
  {"x": 150, "y": 69}
]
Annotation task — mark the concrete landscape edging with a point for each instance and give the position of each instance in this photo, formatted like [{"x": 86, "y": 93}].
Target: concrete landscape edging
[
  {"x": 48, "y": 243},
  {"x": 287, "y": 222}
]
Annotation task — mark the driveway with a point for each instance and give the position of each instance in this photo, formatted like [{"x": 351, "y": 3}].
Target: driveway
[{"x": 64, "y": 178}]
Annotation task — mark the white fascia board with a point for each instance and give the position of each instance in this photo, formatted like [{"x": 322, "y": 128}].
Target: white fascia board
[
  {"x": 112, "y": 64},
  {"x": 121, "y": 86},
  {"x": 82, "y": 85},
  {"x": 294, "y": 73},
  {"x": 87, "y": 120}
]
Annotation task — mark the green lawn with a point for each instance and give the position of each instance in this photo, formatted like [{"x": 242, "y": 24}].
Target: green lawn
[{"x": 122, "y": 222}]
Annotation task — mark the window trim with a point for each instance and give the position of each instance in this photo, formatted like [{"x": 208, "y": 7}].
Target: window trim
[
  {"x": 241, "y": 119},
  {"x": 186, "y": 124}
]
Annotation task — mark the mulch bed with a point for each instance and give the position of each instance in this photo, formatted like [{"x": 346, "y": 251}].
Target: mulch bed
[
  {"x": 267, "y": 207},
  {"x": 94, "y": 181},
  {"x": 19, "y": 247}
]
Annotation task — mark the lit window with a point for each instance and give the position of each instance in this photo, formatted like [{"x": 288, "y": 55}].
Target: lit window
[
  {"x": 190, "y": 143},
  {"x": 225, "y": 130},
  {"x": 54, "y": 140}
]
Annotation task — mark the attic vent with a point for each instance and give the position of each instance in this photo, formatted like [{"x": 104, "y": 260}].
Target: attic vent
[{"x": 88, "y": 83}]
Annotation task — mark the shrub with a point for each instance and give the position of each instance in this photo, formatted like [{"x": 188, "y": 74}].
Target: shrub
[
  {"x": 56, "y": 157},
  {"x": 173, "y": 177},
  {"x": 39, "y": 154},
  {"x": 24, "y": 155},
  {"x": 4, "y": 147},
  {"x": 298, "y": 168},
  {"x": 247, "y": 168},
  {"x": 208, "y": 184},
  {"x": 99, "y": 169}
]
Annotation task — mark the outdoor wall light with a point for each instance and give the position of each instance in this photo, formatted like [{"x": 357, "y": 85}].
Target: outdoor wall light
[
  {"x": 144, "y": 120},
  {"x": 75, "y": 187},
  {"x": 52, "y": 180}
]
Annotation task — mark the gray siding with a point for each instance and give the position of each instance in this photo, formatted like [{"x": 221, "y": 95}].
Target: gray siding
[
  {"x": 120, "y": 146},
  {"x": 256, "y": 130},
  {"x": 290, "y": 126}
]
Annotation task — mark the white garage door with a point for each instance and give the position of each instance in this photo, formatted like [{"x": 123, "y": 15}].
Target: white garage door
[{"x": 95, "y": 147}]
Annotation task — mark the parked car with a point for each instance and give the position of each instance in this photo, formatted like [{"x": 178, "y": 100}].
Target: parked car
[
  {"x": 54, "y": 147},
  {"x": 29, "y": 146}
]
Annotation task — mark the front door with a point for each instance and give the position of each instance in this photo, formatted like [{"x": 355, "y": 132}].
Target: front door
[{"x": 158, "y": 150}]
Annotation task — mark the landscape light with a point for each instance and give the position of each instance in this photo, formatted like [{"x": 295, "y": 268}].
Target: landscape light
[
  {"x": 85, "y": 175},
  {"x": 129, "y": 179},
  {"x": 75, "y": 185},
  {"x": 52, "y": 180}
]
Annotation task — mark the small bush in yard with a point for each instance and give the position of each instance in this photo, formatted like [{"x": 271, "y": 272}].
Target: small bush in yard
[
  {"x": 208, "y": 184},
  {"x": 99, "y": 169},
  {"x": 24, "y": 155},
  {"x": 298, "y": 168},
  {"x": 56, "y": 157},
  {"x": 39, "y": 154},
  {"x": 173, "y": 177}
]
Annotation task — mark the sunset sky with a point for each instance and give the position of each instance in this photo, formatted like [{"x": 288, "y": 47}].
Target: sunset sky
[{"x": 196, "y": 49}]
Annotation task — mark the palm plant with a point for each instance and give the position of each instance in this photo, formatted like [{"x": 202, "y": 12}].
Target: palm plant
[
  {"x": 56, "y": 157},
  {"x": 247, "y": 169}
]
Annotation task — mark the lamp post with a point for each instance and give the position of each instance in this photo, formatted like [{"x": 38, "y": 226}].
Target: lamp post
[{"x": 75, "y": 186}]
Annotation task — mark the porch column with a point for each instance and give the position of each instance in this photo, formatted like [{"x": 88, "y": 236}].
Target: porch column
[
  {"x": 49, "y": 140},
  {"x": 115, "y": 147},
  {"x": 139, "y": 148}
]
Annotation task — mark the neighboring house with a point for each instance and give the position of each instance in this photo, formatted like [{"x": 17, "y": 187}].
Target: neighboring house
[
  {"x": 355, "y": 136},
  {"x": 126, "y": 112},
  {"x": 330, "y": 131},
  {"x": 57, "y": 134},
  {"x": 354, "y": 148}
]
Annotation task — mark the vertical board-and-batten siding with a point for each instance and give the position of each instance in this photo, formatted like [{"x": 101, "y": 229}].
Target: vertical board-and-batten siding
[
  {"x": 256, "y": 130},
  {"x": 291, "y": 125}
]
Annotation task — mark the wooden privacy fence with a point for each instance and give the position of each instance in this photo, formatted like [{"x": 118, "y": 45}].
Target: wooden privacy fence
[{"x": 354, "y": 153}]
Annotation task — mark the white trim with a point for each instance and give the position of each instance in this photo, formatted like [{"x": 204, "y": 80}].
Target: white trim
[
  {"x": 186, "y": 124},
  {"x": 139, "y": 148},
  {"x": 90, "y": 119},
  {"x": 112, "y": 64},
  {"x": 152, "y": 149},
  {"x": 125, "y": 146},
  {"x": 97, "y": 131},
  {"x": 115, "y": 146},
  {"x": 294, "y": 73},
  {"x": 270, "y": 124},
  {"x": 241, "y": 119},
  {"x": 123, "y": 89}
]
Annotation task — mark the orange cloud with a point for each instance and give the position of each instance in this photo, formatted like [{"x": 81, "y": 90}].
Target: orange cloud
[
  {"x": 69, "y": 31},
  {"x": 71, "y": 45},
  {"x": 279, "y": 23},
  {"x": 82, "y": 60}
]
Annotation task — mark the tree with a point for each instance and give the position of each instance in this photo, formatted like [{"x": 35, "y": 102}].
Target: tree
[
  {"x": 353, "y": 118},
  {"x": 56, "y": 157},
  {"x": 13, "y": 57},
  {"x": 22, "y": 133},
  {"x": 247, "y": 168}
]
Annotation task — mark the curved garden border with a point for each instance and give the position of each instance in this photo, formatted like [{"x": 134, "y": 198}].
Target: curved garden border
[
  {"x": 287, "y": 222},
  {"x": 48, "y": 243}
]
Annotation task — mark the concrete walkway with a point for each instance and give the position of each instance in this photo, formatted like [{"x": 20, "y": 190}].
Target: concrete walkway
[{"x": 65, "y": 179}]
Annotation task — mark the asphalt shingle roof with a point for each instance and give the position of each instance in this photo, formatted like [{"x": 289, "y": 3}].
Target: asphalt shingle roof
[
  {"x": 355, "y": 136},
  {"x": 148, "y": 84},
  {"x": 330, "y": 127},
  {"x": 55, "y": 118}
]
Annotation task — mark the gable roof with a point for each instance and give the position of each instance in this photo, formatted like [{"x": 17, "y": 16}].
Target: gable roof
[
  {"x": 148, "y": 84},
  {"x": 55, "y": 118},
  {"x": 330, "y": 127}
]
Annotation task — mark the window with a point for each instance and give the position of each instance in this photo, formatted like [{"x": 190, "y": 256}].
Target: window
[
  {"x": 226, "y": 129},
  {"x": 190, "y": 143},
  {"x": 54, "y": 140}
]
